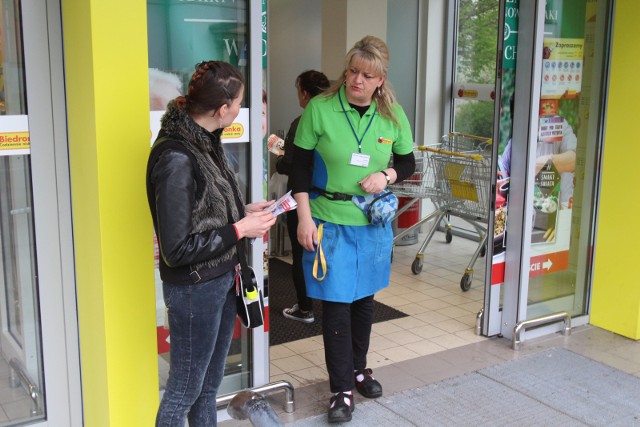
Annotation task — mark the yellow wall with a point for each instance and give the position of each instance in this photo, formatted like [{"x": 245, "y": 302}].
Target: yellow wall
[
  {"x": 105, "y": 44},
  {"x": 616, "y": 292}
]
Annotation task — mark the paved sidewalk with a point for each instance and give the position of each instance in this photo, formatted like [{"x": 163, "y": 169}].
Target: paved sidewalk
[
  {"x": 589, "y": 378},
  {"x": 553, "y": 387}
]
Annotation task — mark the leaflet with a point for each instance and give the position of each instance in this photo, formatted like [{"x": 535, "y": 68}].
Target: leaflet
[
  {"x": 285, "y": 203},
  {"x": 275, "y": 144}
]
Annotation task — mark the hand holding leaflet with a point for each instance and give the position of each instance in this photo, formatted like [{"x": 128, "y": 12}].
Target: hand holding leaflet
[
  {"x": 283, "y": 204},
  {"x": 275, "y": 144}
]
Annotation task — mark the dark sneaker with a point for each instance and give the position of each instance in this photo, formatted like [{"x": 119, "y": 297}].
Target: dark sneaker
[
  {"x": 367, "y": 386},
  {"x": 294, "y": 313},
  {"x": 341, "y": 407}
]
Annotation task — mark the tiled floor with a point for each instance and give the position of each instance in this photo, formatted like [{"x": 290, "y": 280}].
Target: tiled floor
[
  {"x": 15, "y": 403},
  {"x": 441, "y": 315},
  {"x": 436, "y": 341}
]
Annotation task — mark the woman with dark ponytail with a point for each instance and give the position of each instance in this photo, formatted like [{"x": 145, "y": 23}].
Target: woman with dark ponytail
[
  {"x": 309, "y": 84},
  {"x": 201, "y": 223}
]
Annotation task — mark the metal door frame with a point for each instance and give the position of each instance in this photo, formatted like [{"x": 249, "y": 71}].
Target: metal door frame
[{"x": 44, "y": 75}]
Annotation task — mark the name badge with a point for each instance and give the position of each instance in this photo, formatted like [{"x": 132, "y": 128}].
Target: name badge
[{"x": 359, "y": 159}]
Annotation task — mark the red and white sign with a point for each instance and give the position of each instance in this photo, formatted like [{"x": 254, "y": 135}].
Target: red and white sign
[
  {"x": 538, "y": 265},
  {"x": 548, "y": 263}
]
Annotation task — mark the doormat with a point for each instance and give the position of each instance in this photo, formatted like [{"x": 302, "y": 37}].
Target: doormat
[{"x": 282, "y": 294}]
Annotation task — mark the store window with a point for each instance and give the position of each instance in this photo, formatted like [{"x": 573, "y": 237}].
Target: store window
[
  {"x": 474, "y": 67},
  {"x": 181, "y": 34}
]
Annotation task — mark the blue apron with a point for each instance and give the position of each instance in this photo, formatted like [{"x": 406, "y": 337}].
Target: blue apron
[{"x": 358, "y": 262}]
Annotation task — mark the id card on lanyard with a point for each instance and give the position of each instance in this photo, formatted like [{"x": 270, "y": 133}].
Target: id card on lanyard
[{"x": 357, "y": 159}]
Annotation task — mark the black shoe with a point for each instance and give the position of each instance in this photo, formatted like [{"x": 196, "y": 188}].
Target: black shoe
[
  {"x": 369, "y": 386},
  {"x": 341, "y": 407},
  {"x": 295, "y": 313}
]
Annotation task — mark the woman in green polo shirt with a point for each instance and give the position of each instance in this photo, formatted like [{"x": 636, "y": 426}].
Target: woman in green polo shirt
[{"x": 343, "y": 145}]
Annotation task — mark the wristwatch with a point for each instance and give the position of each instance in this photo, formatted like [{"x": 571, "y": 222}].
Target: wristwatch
[{"x": 386, "y": 175}]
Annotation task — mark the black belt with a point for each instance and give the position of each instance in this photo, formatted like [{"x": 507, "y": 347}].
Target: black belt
[
  {"x": 332, "y": 196},
  {"x": 189, "y": 276}
]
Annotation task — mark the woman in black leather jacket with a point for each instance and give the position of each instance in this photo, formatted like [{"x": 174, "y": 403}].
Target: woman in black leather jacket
[{"x": 199, "y": 217}]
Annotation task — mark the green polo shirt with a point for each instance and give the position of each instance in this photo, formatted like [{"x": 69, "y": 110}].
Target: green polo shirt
[{"x": 324, "y": 128}]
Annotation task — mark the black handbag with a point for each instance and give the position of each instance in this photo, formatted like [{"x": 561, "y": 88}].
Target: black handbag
[{"x": 249, "y": 301}]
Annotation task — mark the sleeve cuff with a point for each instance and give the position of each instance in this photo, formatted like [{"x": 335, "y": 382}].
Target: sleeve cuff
[{"x": 229, "y": 234}]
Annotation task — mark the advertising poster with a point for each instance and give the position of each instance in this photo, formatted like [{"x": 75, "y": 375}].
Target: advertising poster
[
  {"x": 562, "y": 76},
  {"x": 562, "y": 68},
  {"x": 504, "y": 140},
  {"x": 14, "y": 135}
]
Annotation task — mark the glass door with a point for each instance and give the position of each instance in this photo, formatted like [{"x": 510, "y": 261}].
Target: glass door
[
  {"x": 20, "y": 332},
  {"x": 553, "y": 159},
  {"x": 38, "y": 342},
  {"x": 182, "y": 34}
]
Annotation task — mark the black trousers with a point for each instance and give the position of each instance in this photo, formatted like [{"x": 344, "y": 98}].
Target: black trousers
[
  {"x": 304, "y": 302},
  {"x": 346, "y": 329}
]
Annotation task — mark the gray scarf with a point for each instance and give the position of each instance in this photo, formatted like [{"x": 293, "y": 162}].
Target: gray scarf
[{"x": 211, "y": 210}]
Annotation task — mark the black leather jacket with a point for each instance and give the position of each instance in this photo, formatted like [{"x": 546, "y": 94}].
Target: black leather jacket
[{"x": 173, "y": 192}]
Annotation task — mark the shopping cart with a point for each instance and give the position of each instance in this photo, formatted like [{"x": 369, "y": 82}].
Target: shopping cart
[{"x": 455, "y": 175}]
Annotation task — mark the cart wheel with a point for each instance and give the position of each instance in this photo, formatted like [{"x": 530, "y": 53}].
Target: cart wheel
[
  {"x": 416, "y": 266},
  {"x": 465, "y": 282},
  {"x": 449, "y": 236},
  {"x": 483, "y": 251}
]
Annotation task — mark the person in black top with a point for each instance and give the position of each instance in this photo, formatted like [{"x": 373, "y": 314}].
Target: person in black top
[{"x": 309, "y": 84}]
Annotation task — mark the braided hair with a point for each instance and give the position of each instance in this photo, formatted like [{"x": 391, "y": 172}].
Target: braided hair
[{"x": 213, "y": 84}]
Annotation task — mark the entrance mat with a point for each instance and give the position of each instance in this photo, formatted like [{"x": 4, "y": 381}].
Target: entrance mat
[
  {"x": 553, "y": 387},
  {"x": 282, "y": 294}
]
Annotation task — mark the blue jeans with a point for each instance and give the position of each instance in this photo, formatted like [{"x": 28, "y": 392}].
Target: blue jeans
[{"x": 201, "y": 321}]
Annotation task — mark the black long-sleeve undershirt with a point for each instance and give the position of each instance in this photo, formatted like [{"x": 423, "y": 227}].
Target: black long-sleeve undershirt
[{"x": 403, "y": 164}]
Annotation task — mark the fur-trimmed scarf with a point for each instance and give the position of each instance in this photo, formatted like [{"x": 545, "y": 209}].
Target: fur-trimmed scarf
[{"x": 221, "y": 190}]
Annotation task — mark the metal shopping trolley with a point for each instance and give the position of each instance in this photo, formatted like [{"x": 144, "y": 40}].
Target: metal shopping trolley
[{"x": 455, "y": 175}]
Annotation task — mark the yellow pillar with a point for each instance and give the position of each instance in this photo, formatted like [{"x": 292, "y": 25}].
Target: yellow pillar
[
  {"x": 616, "y": 294},
  {"x": 105, "y": 53}
]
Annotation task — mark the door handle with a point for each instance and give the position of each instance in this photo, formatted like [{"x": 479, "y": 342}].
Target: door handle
[{"x": 21, "y": 211}]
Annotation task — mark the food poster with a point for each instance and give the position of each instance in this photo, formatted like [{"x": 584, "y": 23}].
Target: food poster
[
  {"x": 560, "y": 90},
  {"x": 561, "y": 67}
]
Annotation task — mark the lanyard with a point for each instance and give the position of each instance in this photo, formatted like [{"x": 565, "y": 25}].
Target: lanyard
[
  {"x": 319, "y": 256},
  {"x": 359, "y": 140}
]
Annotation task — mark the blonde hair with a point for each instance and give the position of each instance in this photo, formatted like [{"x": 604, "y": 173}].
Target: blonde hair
[{"x": 374, "y": 52}]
